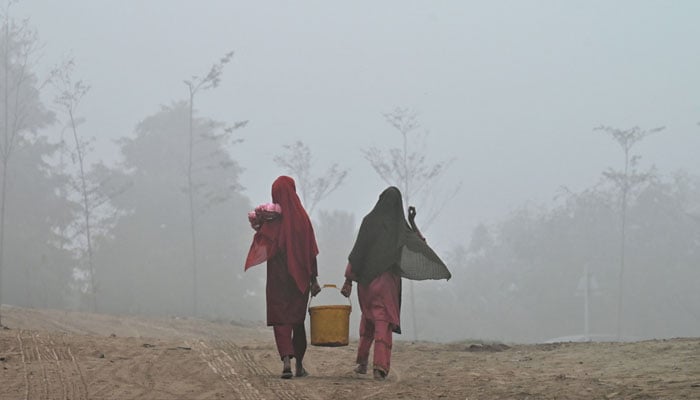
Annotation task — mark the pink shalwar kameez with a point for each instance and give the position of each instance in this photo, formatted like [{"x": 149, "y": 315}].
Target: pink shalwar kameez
[{"x": 381, "y": 309}]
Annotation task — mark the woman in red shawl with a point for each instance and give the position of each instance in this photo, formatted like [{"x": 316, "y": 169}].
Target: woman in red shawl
[
  {"x": 386, "y": 249},
  {"x": 285, "y": 239}
]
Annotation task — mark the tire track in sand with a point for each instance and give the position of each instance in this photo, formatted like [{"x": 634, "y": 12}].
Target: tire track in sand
[
  {"x": 70, "y": 375},
  {"x": 25, "y": 369},
  {"x": 35, "y": 374},
  {"x": 224, "y": 366},
  {"x": 282, "y": 389},
  {"x": 50, "y": 370},
  {"x": 249, "y": 379}
]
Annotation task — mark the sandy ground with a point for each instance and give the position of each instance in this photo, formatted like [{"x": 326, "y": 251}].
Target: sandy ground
[{"x": 50, "y": 354}]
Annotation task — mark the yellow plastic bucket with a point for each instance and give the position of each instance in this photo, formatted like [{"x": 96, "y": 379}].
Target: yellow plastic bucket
[{"x": 330, "y": 324}]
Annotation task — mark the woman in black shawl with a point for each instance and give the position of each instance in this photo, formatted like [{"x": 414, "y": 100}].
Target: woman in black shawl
[{"x": 386, "y": 249}]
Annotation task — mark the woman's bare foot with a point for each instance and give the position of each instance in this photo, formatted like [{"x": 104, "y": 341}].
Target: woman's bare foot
[
  {"x": 361, "y": 369},
  {"x": 301, "y": 372},
  {"x": 379, "y": 375},
  {"x": 286, "y": 368}
]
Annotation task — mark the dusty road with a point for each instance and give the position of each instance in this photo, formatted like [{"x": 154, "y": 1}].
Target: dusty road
[{"x": 49, "y": 354}]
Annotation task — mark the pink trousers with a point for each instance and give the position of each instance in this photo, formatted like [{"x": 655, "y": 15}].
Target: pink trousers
[
  {"x": 380, "y": 333},
  {"x": 291, "y": 340}
]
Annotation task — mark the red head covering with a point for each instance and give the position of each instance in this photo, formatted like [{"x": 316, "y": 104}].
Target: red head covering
[{"x": 291, "y": 234}]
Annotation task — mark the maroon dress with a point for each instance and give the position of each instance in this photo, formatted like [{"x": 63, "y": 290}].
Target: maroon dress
[
  {"x": 285, "y": 303},
  {"x": 288, "y": 244}
]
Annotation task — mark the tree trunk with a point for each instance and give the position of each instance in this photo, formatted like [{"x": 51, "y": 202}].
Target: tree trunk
[
  {"x": 86, "y": 213},
  {"x": 2, "y": 225},
  {"x": 190, "y": 192},
  {"x": 623, "y": 227}
]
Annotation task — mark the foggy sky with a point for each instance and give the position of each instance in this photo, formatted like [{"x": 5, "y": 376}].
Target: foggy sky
[{"x": 511, "y": 89}]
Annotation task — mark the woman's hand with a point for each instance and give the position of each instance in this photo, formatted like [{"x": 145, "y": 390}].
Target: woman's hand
[
  {"x": 412, "y": 221},
  {"x": 315, "y": 288},
  {"x": 411, "y": 213},
  {"x": 255, "y": 222},
  {"x": 347, "y": 288}
]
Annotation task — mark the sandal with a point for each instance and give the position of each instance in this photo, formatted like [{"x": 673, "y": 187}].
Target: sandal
[
  {"x": 379, "y": 375},
  {"x": 287, "y": 374}
]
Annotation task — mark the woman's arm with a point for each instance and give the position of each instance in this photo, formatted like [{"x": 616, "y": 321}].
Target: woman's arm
[
  {"x": 411, "y": 220},
  {"x": 315, "y": 287},
  {"x": 349, "y": 277}
]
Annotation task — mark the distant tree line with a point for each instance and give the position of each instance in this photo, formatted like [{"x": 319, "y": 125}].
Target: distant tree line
[
  {"x": 159, "y": 233},
  {"x": 535, "y": 274}
]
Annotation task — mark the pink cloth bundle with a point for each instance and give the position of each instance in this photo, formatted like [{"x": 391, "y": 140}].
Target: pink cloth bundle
[{"x": 263, "y": 212}]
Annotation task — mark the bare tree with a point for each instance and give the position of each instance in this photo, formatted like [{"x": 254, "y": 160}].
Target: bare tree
[
  {"x": 21, "y": 110},
  {"x": 407, "y": 168},
  {"x": 69, "y": 97},
  {"x": 626, "y": 180},
  {"x": 195, "y": 85},
  {"x": 88, "y": 184},
  {"x": 298, "y": 162}
]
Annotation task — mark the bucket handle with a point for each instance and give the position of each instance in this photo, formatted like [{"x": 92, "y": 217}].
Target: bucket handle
[{"x": 329, "y": 285}]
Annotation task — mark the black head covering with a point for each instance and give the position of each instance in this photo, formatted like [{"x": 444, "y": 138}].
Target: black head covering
[{"x": 386, "y": 241}]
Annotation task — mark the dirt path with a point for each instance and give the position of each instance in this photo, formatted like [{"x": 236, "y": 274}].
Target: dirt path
[
  {"x": 63, "y": 355},
  {"x": 49, "y": 354},
  {"x": 49, "y": 368},
  {"x": 248, "y": 379}
]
